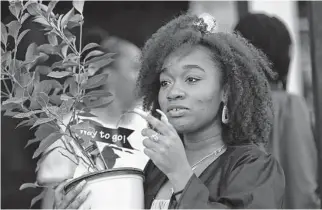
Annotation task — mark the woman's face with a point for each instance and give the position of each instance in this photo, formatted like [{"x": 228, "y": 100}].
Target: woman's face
[{"x": 191, "y": 92}]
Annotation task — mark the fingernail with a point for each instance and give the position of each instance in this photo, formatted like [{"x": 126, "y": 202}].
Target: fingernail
[
  {"x": 82, "y": 183},
  {"x": 140, "y": 112},
  {"x": 90, "y": 192},
  {"x": 163, "y": 116}
]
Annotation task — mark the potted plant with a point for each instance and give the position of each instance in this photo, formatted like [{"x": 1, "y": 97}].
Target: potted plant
[{"x": 42, "y": 95}]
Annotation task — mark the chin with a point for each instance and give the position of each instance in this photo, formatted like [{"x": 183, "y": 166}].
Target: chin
[{"x": 181, "y": 126}]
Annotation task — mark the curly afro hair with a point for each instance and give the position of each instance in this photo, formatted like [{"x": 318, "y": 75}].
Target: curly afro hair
[{"x": 245, "y": 71}]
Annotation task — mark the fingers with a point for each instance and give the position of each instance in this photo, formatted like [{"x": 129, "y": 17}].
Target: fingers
[
  {"x": 162, "y": 126},
  {"x": 151, "y": 154},
  {"x": 148, "y": 132},
  {"x": 79, "y": 200},
  {"x": 163, "y": 116},
  {"x": 63, "y": 201},
  {"x": 148, "y": 143}
]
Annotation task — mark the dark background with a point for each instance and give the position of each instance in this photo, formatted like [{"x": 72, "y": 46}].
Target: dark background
[{"x": 134, "y": 21}]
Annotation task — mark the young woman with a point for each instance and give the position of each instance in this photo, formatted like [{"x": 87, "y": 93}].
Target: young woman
[{"x": 211, "y": 111}]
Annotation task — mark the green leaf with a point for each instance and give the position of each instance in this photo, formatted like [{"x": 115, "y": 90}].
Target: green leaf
[
  {"x": 31, "y": 141},
  {"x": 14, "y": 100},
  {"x": 64, "y": 50},
  {"x": 13, "y": 10},
  {"x": 107, "y": 56},
  {"x": 6, "y": 58},
  {"x": 86, "y": 114},
  {"x": 79, "y": 5},
  {"x": 4, "y": 34},
  {"x": 43, "y": 70},
  {"x": 44, "y": 130},
  {"x": 71, "y": 57},
  {"x": 39, "y": 99},
  {"x": 13, "y": 28},
  {"x": 58, "y": 64},
  {"x": 51, "y": 111},
  {"x": 59, "y": 20},
  {"x": 51, "y": 6},
  {"x": 42, "y": 58},
  {"x": 71, "y": 37},
  {"x": 10, "y": 113},
  {"x": 95, "y": 81},
  {"x": 94, "y": 67},
  {"x": 55, "y": 99},
  {"x": 90, "y": 46},
  {"x": 24, "y": 17},
  {"x": 24, "y": 79},
  {"x": 28, "y": 185},
  {"x": 66, "y": 18},
  {"x": 27, "y": 114},
  {"x": 65, "y": 107},
  {"x": 59, "y": 74},
  {"x": 31, "y": 52},
  {"x": 22, "y": 35},
  {"x": 93, "y": 53},
  {"x": 65, "y": 97},
  {"x": 42, "y": 121},
  {"x": 98, "y": 93},
  {"x": 52, "y": 39},
  {"x": 81, "y": 78},
  {"x": 28, "y": 122},
  {"x": 102, "y": 102},
  {"x": 71, "y": 83},
  {"x": 47, "y": 85},
  {"x": 45, "y": 143},
  {"x": 41, "y": 20},
  {"x": 49, "y": 49},
  {"x": 33, "y": 8},
  {"x": 74, "y": 21},
  {"x": 37, "y": 198}
]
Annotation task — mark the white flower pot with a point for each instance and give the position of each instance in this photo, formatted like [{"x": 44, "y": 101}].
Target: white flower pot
[{"x": 120, "y": 188}]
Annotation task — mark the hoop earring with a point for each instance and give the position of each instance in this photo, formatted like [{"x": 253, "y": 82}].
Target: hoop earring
[{"x": 225, "y": 117}]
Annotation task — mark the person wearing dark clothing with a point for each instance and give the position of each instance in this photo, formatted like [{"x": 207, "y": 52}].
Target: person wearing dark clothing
[
  {"x": 291, "y": 140},
  {"x": 210, "y": 113}
]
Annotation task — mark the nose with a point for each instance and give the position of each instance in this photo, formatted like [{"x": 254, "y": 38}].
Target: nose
[{"x": 176, "y": 92}]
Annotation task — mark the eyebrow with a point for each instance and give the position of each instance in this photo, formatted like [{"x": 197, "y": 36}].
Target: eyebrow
[
  {"x": 192, "y": 66},
  {"x": 185, "y": 67}
]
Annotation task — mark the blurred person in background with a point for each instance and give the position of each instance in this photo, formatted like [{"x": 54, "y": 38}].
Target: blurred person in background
[
  {"x": 121, "y": 82},
  {"x": 292, "y": 140}
]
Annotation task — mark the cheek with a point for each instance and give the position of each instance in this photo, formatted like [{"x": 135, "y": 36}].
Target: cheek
[
  {"x": 162, "y": 99},
  {"x": 207, "y": 104}
]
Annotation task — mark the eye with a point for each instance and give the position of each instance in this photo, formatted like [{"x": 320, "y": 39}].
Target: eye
[
  {"x": 192, "y": 79},
  {"x": 164, "y": 83}
]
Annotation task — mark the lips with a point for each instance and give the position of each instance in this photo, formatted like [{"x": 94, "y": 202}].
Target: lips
[{"x": 176, "y": 110}]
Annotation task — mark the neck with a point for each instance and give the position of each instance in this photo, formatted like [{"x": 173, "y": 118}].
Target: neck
[{"x": 209, "y": 137}]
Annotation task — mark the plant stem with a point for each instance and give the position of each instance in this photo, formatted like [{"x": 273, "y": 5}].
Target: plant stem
[
  {"x": 81, "y": 149},
  {"x": 5, "y": 94},
  {"x": 7, "y": 89},
  {"x": 80, "y": 37},
  {"x": 79, "y": 57}
]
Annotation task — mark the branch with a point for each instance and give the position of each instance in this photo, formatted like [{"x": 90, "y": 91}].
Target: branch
[{"x": 68, "y": 157}]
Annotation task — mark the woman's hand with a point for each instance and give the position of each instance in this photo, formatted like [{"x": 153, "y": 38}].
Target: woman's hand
[
  {"x": 166, "y": 150},
  {"x": 73, "y": 199}
]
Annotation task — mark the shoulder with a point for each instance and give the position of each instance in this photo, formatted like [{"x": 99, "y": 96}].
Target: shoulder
[{"x": 250, "y": 155}]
